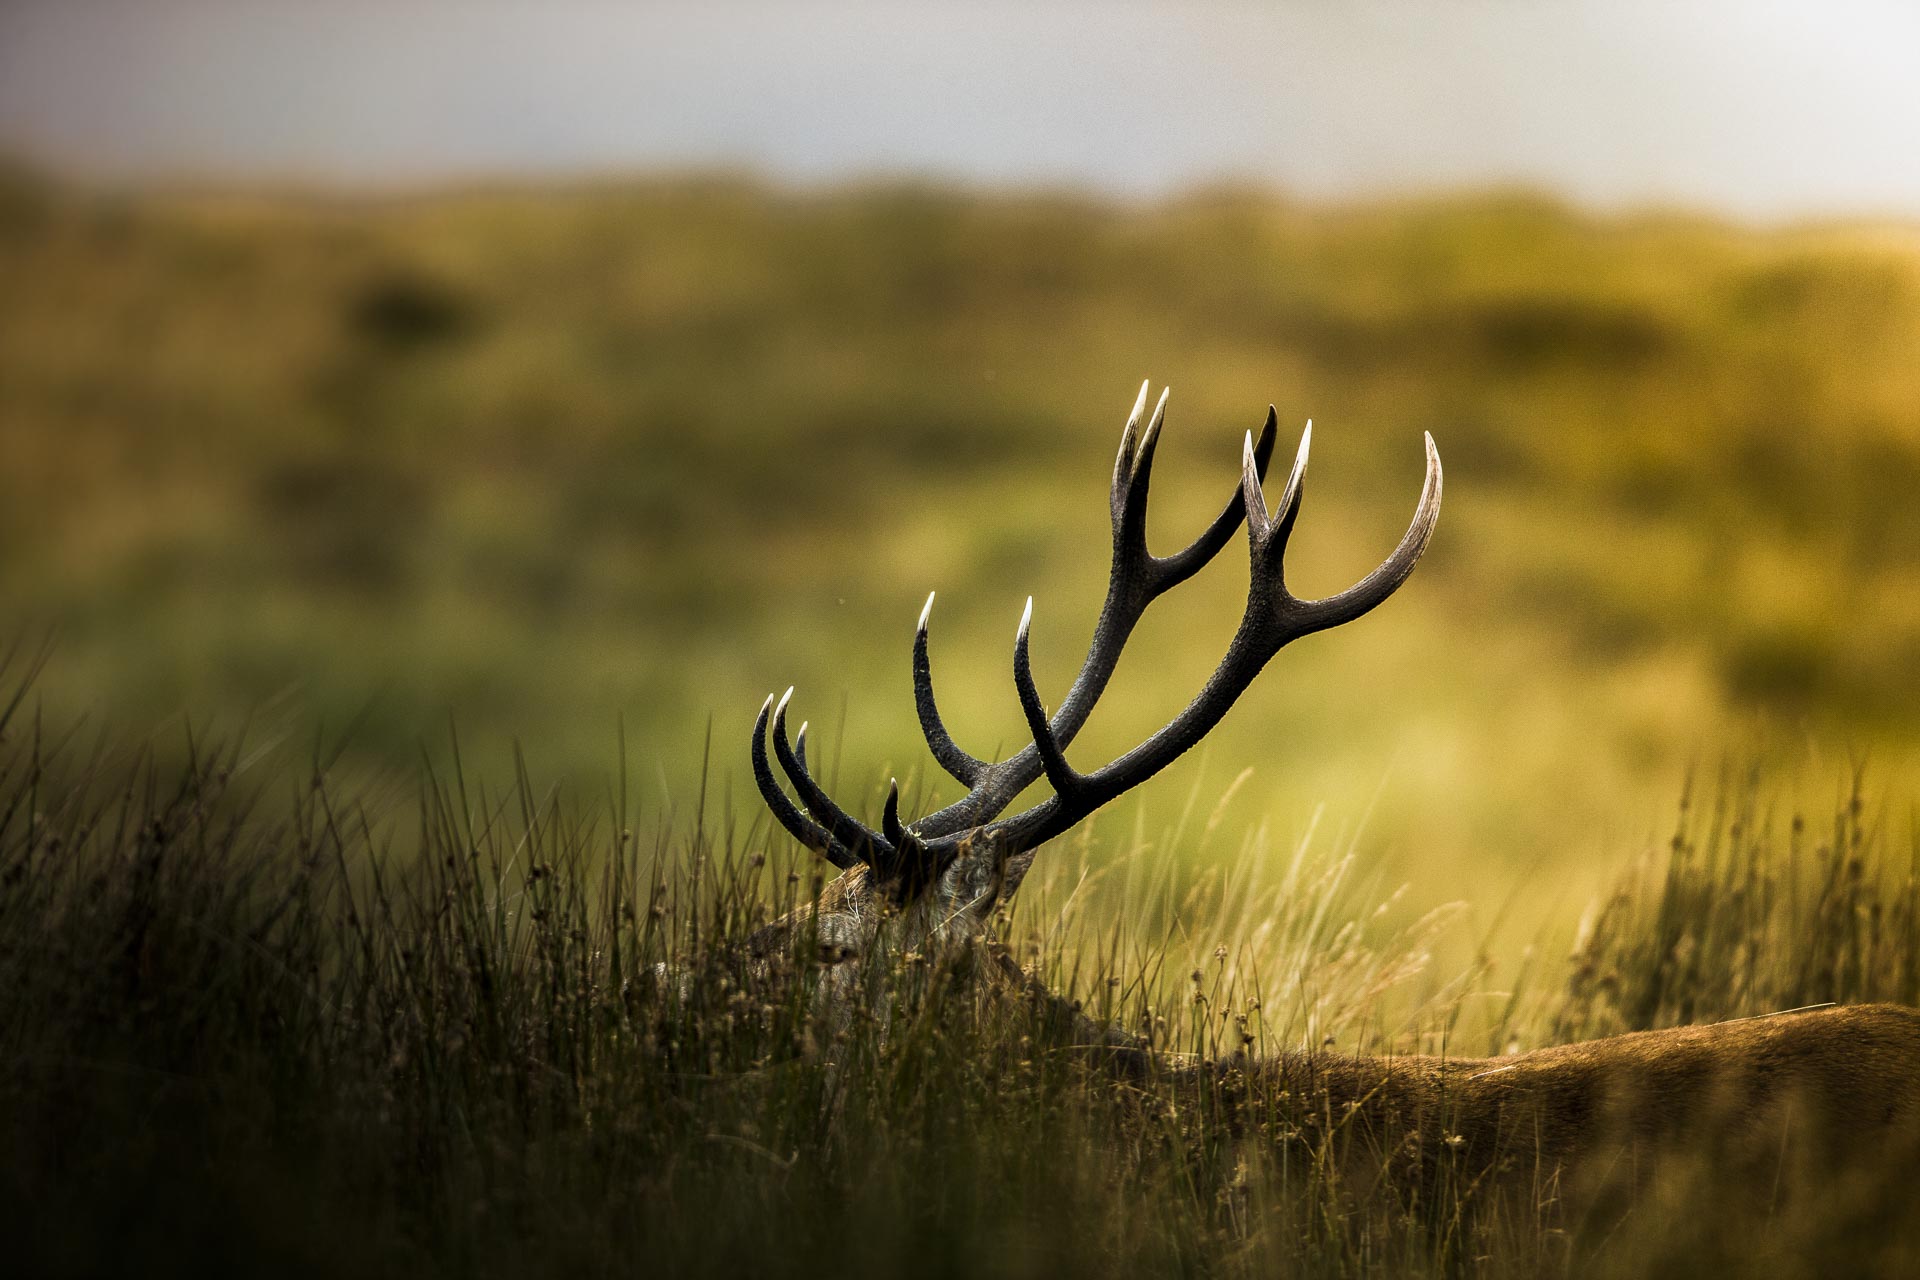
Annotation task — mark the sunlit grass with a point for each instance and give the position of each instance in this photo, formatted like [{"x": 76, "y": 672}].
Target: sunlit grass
[{"x": 255, "y": 1018}]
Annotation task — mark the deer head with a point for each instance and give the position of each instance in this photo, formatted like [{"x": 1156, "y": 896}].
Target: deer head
[{"x": 941, "y": 877}]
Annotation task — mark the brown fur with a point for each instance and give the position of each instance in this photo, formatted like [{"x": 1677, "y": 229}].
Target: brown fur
[
  {"x": 1820, "y": 1084},
  {"x": 1818, "y": 1089},
  {"x": 1823, "y": 1092}
]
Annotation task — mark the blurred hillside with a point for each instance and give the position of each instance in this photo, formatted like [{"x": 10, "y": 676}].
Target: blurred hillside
[{"x": 543, "y": 462}]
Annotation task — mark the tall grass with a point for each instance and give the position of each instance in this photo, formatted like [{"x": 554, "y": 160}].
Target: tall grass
[
  {"x": 249, "y": 1023},
  {"x": 1750, "y": 909}
]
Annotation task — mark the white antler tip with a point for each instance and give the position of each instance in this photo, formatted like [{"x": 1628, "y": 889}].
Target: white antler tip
[
  {"x": 1153, "y": 427},
  {"x": 926, "y": 611},
  {"x": 1306, "y": 446},
  {"x": 784, "y": 699},
  {"x": 1255, "y": 499},
  {"x": 1026, "y": 617},
  {"x": 1140, "y": 403}
]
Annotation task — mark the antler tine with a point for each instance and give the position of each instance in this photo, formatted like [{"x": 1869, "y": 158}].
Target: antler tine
[
  {"x": 1175, "y": 569},
  {"x": 1052, "y": 758},
  {"x": 1130, "y": 501},
  {"x": 890, "y": 823},
  {"x": 965, "y": 768},
  {"x": 1273, "y": 619},
  {"x": 866, "y": 845},
  {"x": 1290, "y": 496},
  {"x": 1123, "y": 461},
  {"x": 1136, "y": 579},
  {"x": 1364, "y": 595},
  {"x": 798, "y": 825},
  {"x": 1259, "y": 520},
  {"x": 1269, "y": 533}
]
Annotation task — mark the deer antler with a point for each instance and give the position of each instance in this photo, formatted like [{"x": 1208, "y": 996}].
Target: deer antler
[
  {"x": 1135, "y": 581},
  {"x": 1274, "y": 617}
]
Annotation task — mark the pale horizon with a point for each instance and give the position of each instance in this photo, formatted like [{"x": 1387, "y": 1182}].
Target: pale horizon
[{"x": 1757, "y": 111}]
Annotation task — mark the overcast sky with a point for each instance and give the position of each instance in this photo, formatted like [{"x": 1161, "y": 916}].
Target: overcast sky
[{"x": 1751, "y": 107}]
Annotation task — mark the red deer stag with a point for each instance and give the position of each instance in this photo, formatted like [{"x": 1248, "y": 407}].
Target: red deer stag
[{"x": 1847, "y": 1073}]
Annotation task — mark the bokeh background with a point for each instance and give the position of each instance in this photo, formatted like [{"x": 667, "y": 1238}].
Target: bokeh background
[{"x": 548, "y": 373}]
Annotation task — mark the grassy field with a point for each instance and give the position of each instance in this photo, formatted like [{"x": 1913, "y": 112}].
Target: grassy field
[
  {"x": 241, "y": 1035},
  {"x": 547, "y": 463},
  {"x": 576, "y": 477}
]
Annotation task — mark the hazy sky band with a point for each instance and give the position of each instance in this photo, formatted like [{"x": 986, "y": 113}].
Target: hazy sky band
[{"x": 1755, "y": 108}]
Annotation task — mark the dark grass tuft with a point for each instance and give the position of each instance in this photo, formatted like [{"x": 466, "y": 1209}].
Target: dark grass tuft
[{"x": 251, "y": 1025}]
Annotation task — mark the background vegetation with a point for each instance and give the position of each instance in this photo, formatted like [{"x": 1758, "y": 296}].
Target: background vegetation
[
  {"x": 548, "y": 462},
  {"x": 558, "y": 465}
]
